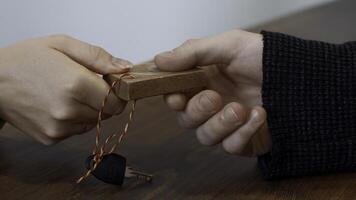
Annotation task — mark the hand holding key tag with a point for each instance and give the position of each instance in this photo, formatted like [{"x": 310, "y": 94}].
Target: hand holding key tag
[{"x": 142, "y": 81}]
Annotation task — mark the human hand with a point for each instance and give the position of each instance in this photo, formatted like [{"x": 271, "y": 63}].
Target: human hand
[
  {"x": 229, "y": 111},
  {"x": 50, "y": 88}
]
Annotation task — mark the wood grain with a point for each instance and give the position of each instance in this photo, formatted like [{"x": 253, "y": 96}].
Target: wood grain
[
  {"x": 183, "y": 168},
  {"x": 146, "y": 80}
]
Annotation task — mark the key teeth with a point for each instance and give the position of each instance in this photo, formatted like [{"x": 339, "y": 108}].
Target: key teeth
[
  {"x": 130, "y": 173},
  {"x": 144, "y": 177}
]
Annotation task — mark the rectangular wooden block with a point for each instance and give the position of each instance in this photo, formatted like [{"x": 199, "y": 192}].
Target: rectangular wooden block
[{"x": 146, "y": 80}]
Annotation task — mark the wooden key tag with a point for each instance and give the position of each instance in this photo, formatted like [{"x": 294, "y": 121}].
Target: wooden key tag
[{"x": 145, "y": 80}]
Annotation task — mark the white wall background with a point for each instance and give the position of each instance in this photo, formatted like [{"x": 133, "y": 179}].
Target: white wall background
[{"x": 136, "y": 29}]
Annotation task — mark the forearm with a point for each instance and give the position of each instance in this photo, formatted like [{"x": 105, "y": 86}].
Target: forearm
[{"x": 309, "y": 91}]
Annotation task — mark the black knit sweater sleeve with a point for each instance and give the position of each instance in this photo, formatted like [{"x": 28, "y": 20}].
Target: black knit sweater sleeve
[{"x": 309, "y": 93}]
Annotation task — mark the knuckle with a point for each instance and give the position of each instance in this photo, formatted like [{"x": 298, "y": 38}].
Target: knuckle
[
  {"x": 249, "y": 131},
  {"x": 192, "y": 119},
  {"x": 114, "y": 105},
  {"x": 246, "y": 136},
  {"x": 48, "y": 142},
  {"x": 204, "y": 138},
  {"x": 183, "y": 122},
  {"x": 231, "y": 148},
  {"x": 86, "y": 128},
  {"x": 63, "y": 112},
  {"x": 194, "y": 116},
  {"x": 212, "y": 130},
  {"x": 74, "y": 86},
  {"x": 97, "y": 53},
  {"x": 53, "y": 133},
  {"x": 208, "y": 101},
  {"x": 190, "y": 42},
  {"x": 175, "y": 102}
]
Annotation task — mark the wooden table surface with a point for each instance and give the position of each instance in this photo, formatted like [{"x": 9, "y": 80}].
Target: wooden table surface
[{"x": 183, "y": 169}]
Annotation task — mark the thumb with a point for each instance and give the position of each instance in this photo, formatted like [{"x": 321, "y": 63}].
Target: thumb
[
  {"x": 93, "y": 57},
  {"x": 196, "y": 52}
]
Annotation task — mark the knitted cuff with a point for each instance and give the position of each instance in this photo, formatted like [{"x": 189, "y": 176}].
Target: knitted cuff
[{"x": 309, "y": 93}]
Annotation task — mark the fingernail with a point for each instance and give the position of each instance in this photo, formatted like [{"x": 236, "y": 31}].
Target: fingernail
[
  {"x": 123, "y": 64},
  {"x": 254, "y": 113},
  {"x": 230, "y": 115},
  {"x": 255, "y": 116}
]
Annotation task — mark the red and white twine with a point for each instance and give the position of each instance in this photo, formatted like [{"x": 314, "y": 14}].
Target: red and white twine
[{"x": 98, "y": 151}]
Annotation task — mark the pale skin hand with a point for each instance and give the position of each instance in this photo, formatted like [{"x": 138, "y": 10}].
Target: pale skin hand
[
  {"x": 50, "y": 88},
  {"x": 229, "y": 111}
]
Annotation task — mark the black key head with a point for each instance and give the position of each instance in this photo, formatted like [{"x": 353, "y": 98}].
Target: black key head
[{"x": 110, "y": 170}]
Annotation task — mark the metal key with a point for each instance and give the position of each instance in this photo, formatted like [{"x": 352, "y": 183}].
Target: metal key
[{"x": 131, "y": 173}]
